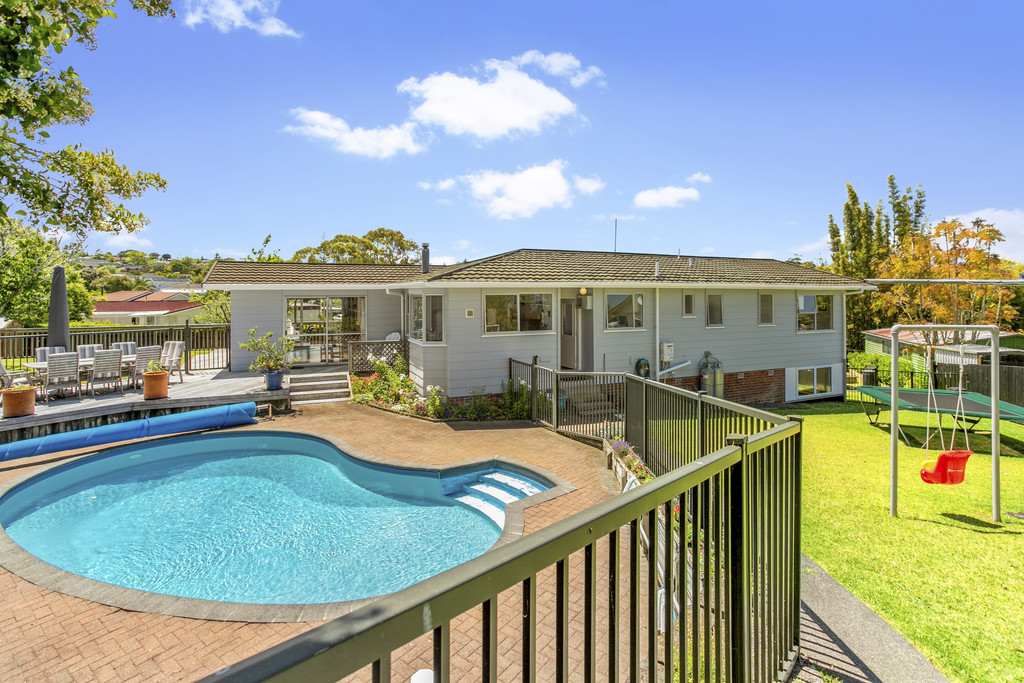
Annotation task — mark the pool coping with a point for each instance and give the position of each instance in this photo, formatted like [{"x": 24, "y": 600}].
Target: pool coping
[{"x": 24, "y": 564}]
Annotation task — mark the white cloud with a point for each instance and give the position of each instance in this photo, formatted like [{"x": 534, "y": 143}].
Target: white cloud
[
  {"x": 508, "y": 103},
  {"x": 461, "y": 244},
  {"x": 761, "y": 253},
  {"x": 1010, "y": 222},
  {"x": 588, "y": 185},
  {"x": 812, "y": 250},
  {"x": 379, "y": 143},
  {"x": 440, "y": 185},
  {"x": 125, "y": 240},
  {"x": 707, "y": 250},
  {"x": 699, "y": 177},
  {"x": 227, "y": 15},
  {"x": 522, "y": 194},
  {"x": 560, "y": 64},
  {"x": 665, "y": 196},
  {"x": 443, "y": 260}
]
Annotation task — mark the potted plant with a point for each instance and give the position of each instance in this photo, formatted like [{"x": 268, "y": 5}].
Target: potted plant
[
  {"x": 272, "y": 357},
  {"x": 19, "y": 400},
  {"x": 154, "y": 381}
]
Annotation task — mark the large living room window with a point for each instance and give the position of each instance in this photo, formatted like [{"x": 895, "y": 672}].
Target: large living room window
[
  {"x": 428, "y": 318},
  {"x": 813, "y": 312},
  {"x": 517, "y": 313},
  {"x": 625, "y": 311}
]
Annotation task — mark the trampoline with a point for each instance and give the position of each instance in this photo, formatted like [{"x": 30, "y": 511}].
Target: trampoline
[{"x": 976, "y": 407}]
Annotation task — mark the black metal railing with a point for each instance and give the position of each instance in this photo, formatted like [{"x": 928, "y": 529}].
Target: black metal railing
[
  {"x": 208, "y": 347},
  {"x": 360, "y": 352},
  {"x": 734, "y": 515}
]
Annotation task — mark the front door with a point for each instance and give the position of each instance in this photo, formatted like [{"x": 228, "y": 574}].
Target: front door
[{"x": 568, "y": 335}]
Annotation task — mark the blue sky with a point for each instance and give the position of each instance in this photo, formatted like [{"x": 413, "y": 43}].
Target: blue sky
[{"x": 726, "y": 128}]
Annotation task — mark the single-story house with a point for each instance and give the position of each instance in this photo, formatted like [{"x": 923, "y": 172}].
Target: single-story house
[
  {"x": 776, "y": 329},
  {"x": 913, "y": 344},
  {"x": 142, "y": 312}
]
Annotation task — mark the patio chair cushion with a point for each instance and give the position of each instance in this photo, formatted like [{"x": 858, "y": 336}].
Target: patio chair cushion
[
  {"x": 43, "y": 352},
  {"x": 88, "y": 350},
  {"x": 128, "y": 348}
]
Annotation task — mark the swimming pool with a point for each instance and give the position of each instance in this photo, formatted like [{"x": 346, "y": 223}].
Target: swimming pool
[{"x": 271, "y": 518}]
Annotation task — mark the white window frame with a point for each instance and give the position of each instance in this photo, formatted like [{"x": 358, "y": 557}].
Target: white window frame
[
  {"x": 801, "y": 300},
  {"x": 421, "y": 336},
  {"x": 707, "y": 309},
  {"x": 693, "y": 307},
  {"x": 771, "y": 309},
  {"x": 816, "y": 369},
  {"x": 519, "y": 323},
  {"x": 635, "y": 298}
]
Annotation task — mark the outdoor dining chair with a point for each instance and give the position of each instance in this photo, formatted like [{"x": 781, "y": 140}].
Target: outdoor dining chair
[
  {"x": 61, "y": 373},
  {"x": 170, "y": 357},
  {"x": 43, "y": 352},
  {"x": 143, "y": 357},
  {"x": 9, "y": 379},
  {"x": 88, "y": 350},
  {"x": 106, "y": 369},
  {"x": 127, "y": 348}
]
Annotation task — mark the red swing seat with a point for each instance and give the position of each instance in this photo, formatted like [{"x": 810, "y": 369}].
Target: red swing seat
[{"x": 948, "y": 469}]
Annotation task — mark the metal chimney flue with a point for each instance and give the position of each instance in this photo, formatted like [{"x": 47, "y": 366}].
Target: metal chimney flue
[{"x": 425, "y": 258}]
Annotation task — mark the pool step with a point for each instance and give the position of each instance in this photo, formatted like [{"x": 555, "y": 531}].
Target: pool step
[
  {"x": 492, "y": 491},
  {"x": 496, "y": 514}
]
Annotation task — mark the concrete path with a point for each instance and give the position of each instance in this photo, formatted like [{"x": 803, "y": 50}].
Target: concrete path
[{"x": 846, "y": 641}]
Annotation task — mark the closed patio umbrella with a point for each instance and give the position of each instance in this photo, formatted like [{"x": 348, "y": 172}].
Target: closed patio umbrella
[{"x": 58, "y": 330}]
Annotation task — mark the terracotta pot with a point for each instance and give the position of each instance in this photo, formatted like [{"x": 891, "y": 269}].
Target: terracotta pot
[
  {"x": 154, "y": 384},
  {"x": 18, "y": 402}
]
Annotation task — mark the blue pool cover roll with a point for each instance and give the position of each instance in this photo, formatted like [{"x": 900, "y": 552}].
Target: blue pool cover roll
[{"x": 193, "y": 420}]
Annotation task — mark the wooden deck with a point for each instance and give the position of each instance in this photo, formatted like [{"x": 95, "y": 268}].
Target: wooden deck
[{"x": 200, "y": 389}]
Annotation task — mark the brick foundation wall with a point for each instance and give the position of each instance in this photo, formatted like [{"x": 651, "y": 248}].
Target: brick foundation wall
[{"x": 756, "y": 386}]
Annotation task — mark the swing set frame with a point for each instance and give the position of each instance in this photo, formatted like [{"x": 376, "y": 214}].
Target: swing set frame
[{"x": 894, "y": 426}]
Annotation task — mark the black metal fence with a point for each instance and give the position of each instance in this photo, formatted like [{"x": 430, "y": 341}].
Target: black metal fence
[
  {"x": 734, "y": 515},
  {"x": 208, "y": 347},
  {"x": 584, "y": 403},
  {"x": 976, "y": 378}
]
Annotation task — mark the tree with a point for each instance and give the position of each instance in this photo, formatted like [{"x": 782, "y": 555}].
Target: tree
[
  {"x": 866, "y": 240},
  {"x": 949, "y": 250},
  {"x": 69, "y": 189},
  {"x": 377, "y": 246},
  {"x": 27, "y": 260},
  {"x": 216, "y": 306}
]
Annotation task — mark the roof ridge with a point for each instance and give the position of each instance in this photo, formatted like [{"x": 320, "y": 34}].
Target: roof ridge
[{"x": 462, "y": 266}]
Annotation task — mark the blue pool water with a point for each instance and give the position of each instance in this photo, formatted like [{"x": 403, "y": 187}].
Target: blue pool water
[{"x": 271, "y": 518}]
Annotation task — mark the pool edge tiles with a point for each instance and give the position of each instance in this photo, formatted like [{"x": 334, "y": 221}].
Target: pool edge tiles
[{"x": 29, "y": 567}]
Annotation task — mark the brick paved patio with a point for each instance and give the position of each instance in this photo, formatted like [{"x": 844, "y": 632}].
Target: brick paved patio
[{"x": 47, "y": 636}]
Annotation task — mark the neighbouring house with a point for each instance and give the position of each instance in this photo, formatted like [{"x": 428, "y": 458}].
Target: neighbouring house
[
  {"x": 145, "y": 312},
  {"x": 913, "y": 345},
  {"x": 776, "y": 329}
]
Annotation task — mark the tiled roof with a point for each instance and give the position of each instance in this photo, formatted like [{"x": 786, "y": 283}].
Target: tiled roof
[
  {"x": 538, "y": 265},
  {"x": 144, "y": 307},
  {"x": 126, "y": 295},
  {"x": 254, "y": 273}
]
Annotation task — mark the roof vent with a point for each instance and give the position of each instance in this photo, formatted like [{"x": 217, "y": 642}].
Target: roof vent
[
  {"x": 657, "y": 270},
  {"x": 425, "y": 258}
]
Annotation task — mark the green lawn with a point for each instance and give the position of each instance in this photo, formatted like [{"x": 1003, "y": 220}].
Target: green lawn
[{"x": 948, "y": 578}]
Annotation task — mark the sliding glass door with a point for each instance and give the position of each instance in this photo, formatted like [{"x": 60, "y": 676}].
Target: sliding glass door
[{"x": 322, "y": 327}]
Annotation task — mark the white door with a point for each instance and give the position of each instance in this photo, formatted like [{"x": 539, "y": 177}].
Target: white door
[{"x": 568, "y": 334}]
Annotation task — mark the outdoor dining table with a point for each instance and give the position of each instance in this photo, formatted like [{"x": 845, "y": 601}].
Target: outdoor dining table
[{"x": 127, "y": 361}]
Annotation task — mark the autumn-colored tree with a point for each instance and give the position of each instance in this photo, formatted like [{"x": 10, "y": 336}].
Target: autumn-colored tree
[
  {"x": 865, "y": 241},
  {"x": 949, "y": 250},
  {"x": 377, "y": 246}
]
